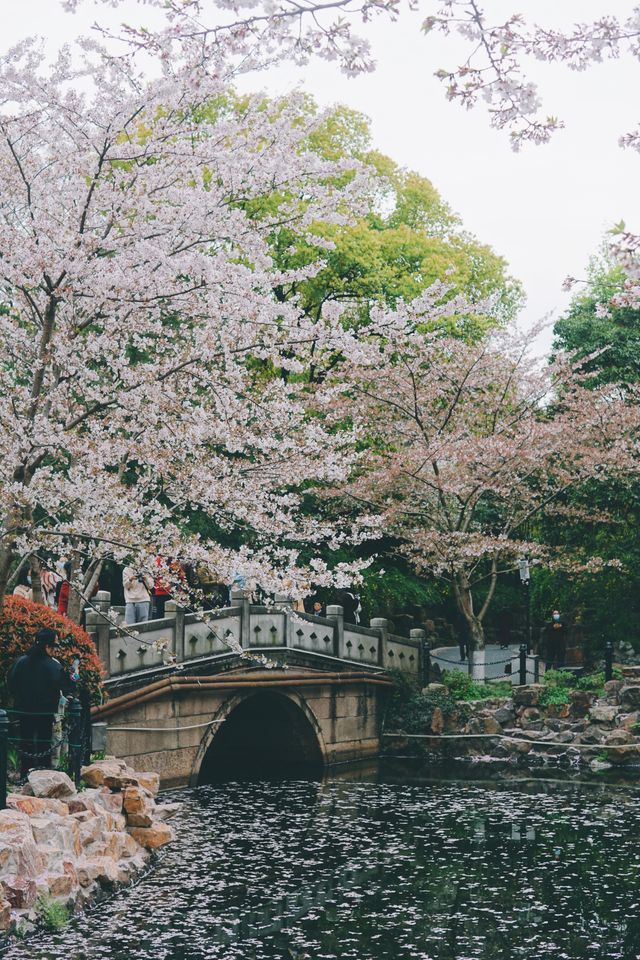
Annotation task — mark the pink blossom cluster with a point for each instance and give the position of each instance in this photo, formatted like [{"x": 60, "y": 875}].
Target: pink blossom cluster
[{"x": 137, "y": 298}]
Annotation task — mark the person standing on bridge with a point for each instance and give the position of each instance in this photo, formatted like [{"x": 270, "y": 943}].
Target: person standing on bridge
[
  {"x": 137, "y": 595},
  {"x": 36, "y": 681},
  {"x": 350, "y": 603}
]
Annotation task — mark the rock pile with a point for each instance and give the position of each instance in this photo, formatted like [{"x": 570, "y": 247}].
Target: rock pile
[
  {"x": 589, "y": 730},
  {"x": 58, "y": 844}
]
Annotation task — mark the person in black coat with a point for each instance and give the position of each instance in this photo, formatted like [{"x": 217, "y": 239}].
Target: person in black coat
[
  {"x": 554, "y": 640},
  {"x": 350, "y": 603},
  {"x": 36, "y": 681}
]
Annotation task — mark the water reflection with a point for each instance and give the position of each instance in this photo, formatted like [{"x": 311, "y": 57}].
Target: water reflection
[{"x": 370, "y": 869}]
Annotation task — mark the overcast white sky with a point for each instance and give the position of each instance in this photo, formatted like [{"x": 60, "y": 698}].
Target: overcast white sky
[{"x": 545, "y": 209}]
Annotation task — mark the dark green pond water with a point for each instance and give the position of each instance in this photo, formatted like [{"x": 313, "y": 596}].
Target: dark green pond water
[{"x": 369, "y": 869}]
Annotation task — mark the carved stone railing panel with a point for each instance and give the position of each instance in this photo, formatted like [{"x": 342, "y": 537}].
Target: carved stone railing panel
[
  {"x": 315, "y": 634},
  {"x": 401, "y": 654},
  {"x": 361, "y": 644},
  {"x": 202, "y": 639},
  {"x": 268, "y": 628},
  {"x": 127, "y": 654}
]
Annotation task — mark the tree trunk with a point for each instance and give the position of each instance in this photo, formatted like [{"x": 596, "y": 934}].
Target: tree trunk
[
  {"x": 74, "y": 607},
  {"x": 464, "y": 601},
  {"x": 6, "y": 559},
  {"x": 81, "y": 599},
  {"x": 36, "y": 583},
  {"x": 12, "y": 522},
  {"x": 81, "y": 595}
]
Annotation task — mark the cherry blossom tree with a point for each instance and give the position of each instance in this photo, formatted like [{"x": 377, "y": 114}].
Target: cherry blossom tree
[
  {"x": 469, "y": 443},
  {"x": 493, "y": 73},
  {"x": 233, "y": 35},
  {"x": 137, "y": 291}
]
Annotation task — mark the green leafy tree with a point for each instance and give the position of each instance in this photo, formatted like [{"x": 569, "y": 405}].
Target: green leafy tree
[
  {"x": 596, "y": 327},
  {"x": 408, "y": 239},
  {"x": 594, "y": 323}
]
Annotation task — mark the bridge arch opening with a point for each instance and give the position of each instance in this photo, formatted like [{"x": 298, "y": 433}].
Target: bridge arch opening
[{"x": 266, "y": 736}]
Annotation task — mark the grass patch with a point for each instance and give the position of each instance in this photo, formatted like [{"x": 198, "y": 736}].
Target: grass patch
[
  {"x": 462, "y": 687},
  {"x": 52, "y": 914},
  {"x": 554, "y": 696},
  {"x": 558, "y": 683},
  {"x": 594, "y": 682}
]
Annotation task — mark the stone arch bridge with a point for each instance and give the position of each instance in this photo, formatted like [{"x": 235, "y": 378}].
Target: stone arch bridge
[{"x": 249, "y": 689}]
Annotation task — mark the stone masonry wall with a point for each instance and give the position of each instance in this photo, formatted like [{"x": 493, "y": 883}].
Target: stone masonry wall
[
  {"x": 61, "y": 845},
  {"x": 589, "y": 731}
]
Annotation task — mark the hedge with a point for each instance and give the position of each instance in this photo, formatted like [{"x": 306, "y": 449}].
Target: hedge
[{"x": 21, "y": 619}]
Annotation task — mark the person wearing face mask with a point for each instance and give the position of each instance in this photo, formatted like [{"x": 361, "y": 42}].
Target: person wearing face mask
[{"x": 555, "y": 641}]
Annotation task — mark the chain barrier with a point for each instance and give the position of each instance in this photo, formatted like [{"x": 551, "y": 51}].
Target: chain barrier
[
  {"x": 486, "y": 663},
  {"x": 43, "y": 753},
  {"x": 515, "y": 671},
  {"x": 69, "y": 738},
  {"x": 33, "y": 713},
  {"x": 447, "y": 660}
]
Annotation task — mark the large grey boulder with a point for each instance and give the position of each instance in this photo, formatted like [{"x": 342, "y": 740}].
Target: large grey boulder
[
  {"x": 581, "y": 702},
  {"x": 603, "y": 713},
  {"x": 527, "y": 696},
  {"x": 629, "y": 696},
  {"x": 505, "y": 714}
]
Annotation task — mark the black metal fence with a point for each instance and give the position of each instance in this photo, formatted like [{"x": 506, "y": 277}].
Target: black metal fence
[
  {"x": 511, "y": 662},
  {"x": 34, "y": 753}
]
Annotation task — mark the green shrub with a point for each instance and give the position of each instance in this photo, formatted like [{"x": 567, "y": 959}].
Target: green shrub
[
  {"x": 559, "y": 678},
  {"x": 555, "y": 696},
  {"x": 559, "y": 682},
  {"x": 412, "y": 711},
  {"x": 462, "y": 687},
  {"x": 594, "y": 682},
  {"x": 52, "y": 914}
]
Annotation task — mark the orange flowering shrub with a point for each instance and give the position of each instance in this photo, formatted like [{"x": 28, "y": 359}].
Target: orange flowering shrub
[{"x": 21, "y": 619}]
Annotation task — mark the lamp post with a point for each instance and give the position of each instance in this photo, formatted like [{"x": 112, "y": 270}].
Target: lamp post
[{"x": 525, "y": 579}]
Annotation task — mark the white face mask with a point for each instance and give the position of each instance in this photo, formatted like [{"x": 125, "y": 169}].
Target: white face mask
[{"x": 556, "y": 616}]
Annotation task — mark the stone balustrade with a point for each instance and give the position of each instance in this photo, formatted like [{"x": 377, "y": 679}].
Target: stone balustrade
[{"x": 246, "y": 627}]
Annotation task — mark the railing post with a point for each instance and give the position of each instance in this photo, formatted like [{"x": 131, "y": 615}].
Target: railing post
[
  {"x": 91, "y": 625},
  {"x": 179, "y": 633},
  {"x": 608, "y": 661},
  {"x": 523, "y": 664},
  {"x": 381, "y": 624},
  {"x": 75, "y": 739},
  {"x": 536, "y": 668},
  {"x": 424, "y": 659},
  {"x": 284, "y": 603},
  {"x": 241, "y": 598},
  {"x": 173, "y": 611},
  {"x": 4, "y": 745},
  {"x": 103, "y": 627},
  {"x": 336, "y": 613}
]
